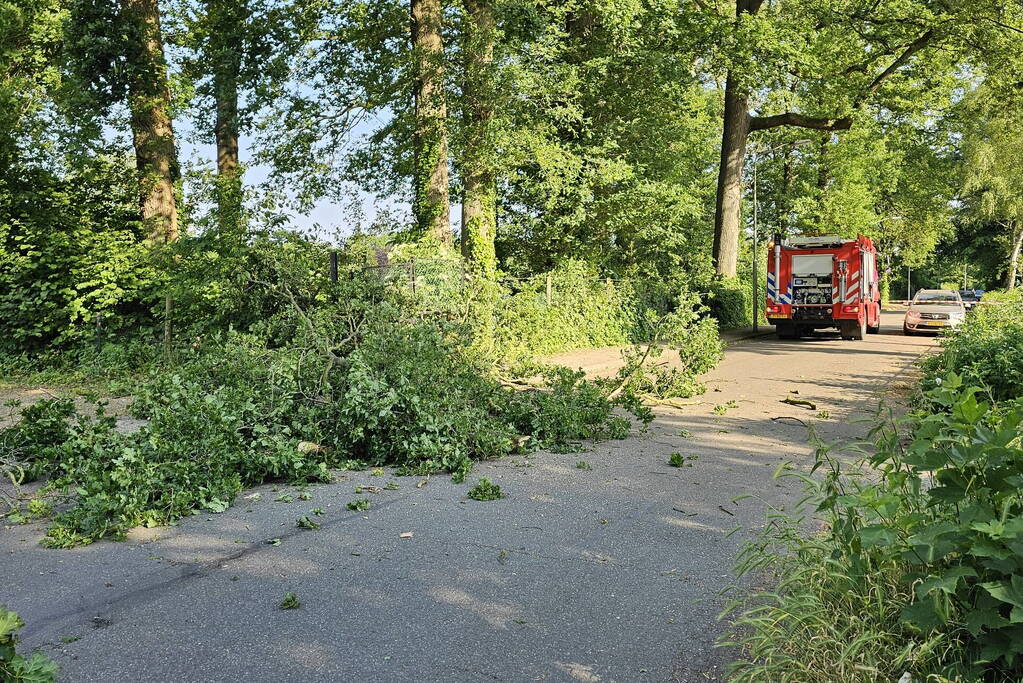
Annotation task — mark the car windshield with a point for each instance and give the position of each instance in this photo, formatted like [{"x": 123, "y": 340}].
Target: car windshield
[{"x": 936, "y": 298}]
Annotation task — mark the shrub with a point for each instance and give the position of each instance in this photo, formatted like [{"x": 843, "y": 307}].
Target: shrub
[
  {"x": 584, "y": 311},
  {"x": 987, "y": 351},
  {"x": 730, "y": 303},
  {"x": 16, "y": 668},
  {"x": 71, "y": 255},
  {"x": 920, "y": 568}
]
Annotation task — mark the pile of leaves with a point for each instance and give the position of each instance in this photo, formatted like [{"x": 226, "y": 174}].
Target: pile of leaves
[{"x": 360, "y": 381}]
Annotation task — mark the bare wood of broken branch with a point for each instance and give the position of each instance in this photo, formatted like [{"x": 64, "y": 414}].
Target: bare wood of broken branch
[
  {"x": 639, "y": 367},
  {"x": 809, "y": 405}
]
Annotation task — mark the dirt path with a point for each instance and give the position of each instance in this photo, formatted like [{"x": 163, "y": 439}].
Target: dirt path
[{"x": 602, "y": 574}]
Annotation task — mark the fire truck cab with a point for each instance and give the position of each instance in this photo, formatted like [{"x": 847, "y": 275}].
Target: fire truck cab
[{"x": 823, "y": 282}]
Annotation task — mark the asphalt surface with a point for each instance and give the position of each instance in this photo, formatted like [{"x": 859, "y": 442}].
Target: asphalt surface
[{"x": 604, "y": 574}]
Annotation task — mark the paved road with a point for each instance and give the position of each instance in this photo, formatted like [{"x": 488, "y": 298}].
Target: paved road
[{"x": 608, "y": 574}]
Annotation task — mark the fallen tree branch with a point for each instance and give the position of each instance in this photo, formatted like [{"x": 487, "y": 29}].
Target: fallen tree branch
[
  {"x": 786, "y": 417},
  {"x": 809, "y": 405}
]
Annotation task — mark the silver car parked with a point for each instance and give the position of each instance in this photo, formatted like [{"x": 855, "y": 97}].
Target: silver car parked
[{"x": 933, "y": 310}]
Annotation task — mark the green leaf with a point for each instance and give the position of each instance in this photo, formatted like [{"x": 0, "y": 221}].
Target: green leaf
[
  {"x": 877, "y": 535},
  {"x": 946, "y": 582}
]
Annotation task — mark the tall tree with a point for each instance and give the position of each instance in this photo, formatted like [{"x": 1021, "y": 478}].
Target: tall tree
[
  {"x": 149, "y": 103},
  {"x": 430, "y": 175},
  {"x": 227, "y": 19},
  {"x": 606, "y": 142},
  {"x": 479, "y": 190},
  {"x": 993, "y": 178},
  {"x": 822, "y": 65},
  {"x": 238, "y": 57}
]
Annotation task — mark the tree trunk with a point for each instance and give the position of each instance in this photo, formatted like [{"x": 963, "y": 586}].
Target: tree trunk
[
  {"x": 227, "y": 18},
  {"x": 737, "y": 126},
  {"x": 728, "y": 210},
  {"x": 153, "y": 137},
  {"x": 1017, "y": 243},
  {"x": 430, "y": 176},
  {"x": 479, "y": 192}
]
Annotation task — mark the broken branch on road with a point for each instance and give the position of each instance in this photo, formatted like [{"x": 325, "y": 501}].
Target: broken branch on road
[{"x": 809, "y": 405}]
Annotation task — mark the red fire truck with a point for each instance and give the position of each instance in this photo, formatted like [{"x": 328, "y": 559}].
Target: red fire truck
[{"x": 823, "y": 282}]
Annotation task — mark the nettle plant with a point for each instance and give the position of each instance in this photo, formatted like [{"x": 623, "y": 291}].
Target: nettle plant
[{"x": 948, "y": 508}]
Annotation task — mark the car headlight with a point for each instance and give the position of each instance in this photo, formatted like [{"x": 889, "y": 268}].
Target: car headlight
[{"x": 913, "y": 315}]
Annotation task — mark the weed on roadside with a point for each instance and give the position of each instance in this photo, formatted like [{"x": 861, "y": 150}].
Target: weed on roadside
[
  {"x": 485, "y": 490},
  {"x": 583, "y": 465},
  {"x": 678, "y": 460},
  {"x": 16, "y": 668},
  {"x": 358, "y": 505},
  {"x": 290, "y": 601}
]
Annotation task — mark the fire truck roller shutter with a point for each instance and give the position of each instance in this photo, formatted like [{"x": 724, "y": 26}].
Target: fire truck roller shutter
[{"x": 812, "y": 274}]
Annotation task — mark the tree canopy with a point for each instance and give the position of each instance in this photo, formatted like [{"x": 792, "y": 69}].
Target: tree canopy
[{"x": 620, "y": 134}]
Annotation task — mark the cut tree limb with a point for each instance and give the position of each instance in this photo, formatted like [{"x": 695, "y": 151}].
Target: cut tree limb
[{"x": 809, "y": 405}]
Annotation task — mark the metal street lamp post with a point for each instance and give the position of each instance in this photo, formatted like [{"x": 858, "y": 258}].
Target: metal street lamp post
[{"x": 756, "y": 235}]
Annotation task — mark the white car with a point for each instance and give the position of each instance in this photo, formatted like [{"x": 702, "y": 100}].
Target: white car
[{"x": 933, "y": 310}]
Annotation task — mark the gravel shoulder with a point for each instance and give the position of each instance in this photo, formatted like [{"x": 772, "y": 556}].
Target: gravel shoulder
[{"x": 606, "y": 574}]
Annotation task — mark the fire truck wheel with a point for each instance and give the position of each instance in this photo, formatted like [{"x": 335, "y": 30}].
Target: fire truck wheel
[
  {"x": 852, "y": 330},
  {"x": 860, "y": 330}
]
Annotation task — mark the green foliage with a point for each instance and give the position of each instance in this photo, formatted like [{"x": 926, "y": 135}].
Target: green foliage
[
  {"x": 71, "y": 263},
  {"x": 341, "y": 378},
  {"x": 306, "y": 522},
  {"x": 583, "y": 465},
  {"x": 679, "y": 460},
  {"x": 572, "y": 410},
  {"x": 688, "y": 331},
  {"x": 358, "y": 505},
  {"x": 485, "y": 490},
  {"x": 920, "y": 568},
  {"x": 25, "y": 446},
  {"x": 290, "y": 601},
  {"x": 987, "y": 351},
  {"x": 16, "y": 668},
  {"x": 730, "y": 303},
  {"x": 583, "y": 311}
]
